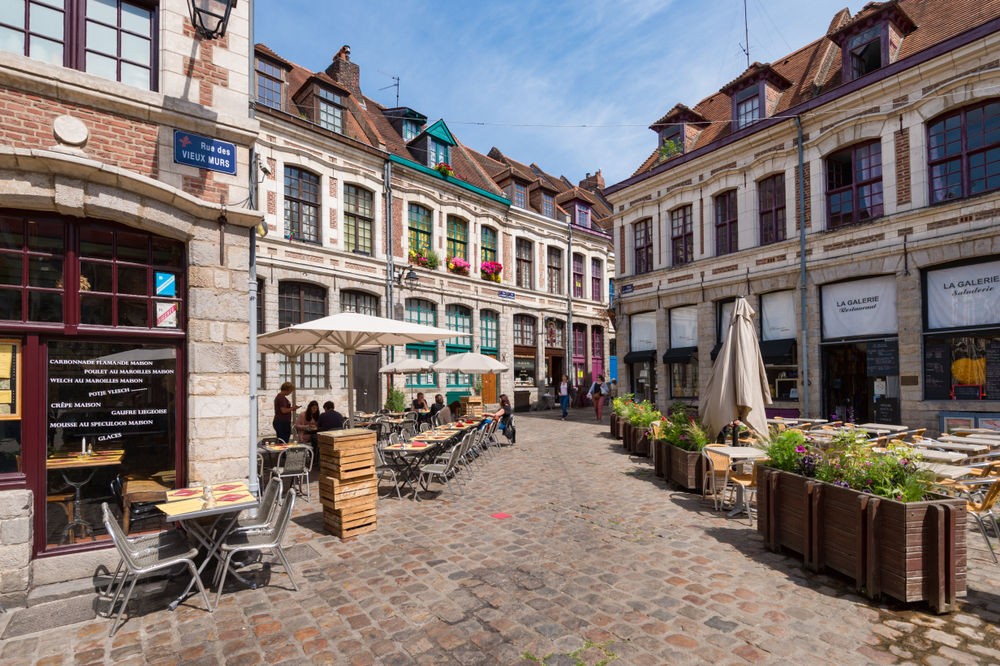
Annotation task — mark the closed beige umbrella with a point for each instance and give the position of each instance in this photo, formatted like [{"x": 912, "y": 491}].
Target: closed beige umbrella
[{"x": 737, "y": 387}]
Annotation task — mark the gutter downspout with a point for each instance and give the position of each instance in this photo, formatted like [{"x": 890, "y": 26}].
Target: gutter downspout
[
  {"x": 390, "y": 266},
  {"x": 802, "y": 267},
  {"x": 569, "y": 299},
  {"x": 252, "y": 466}
]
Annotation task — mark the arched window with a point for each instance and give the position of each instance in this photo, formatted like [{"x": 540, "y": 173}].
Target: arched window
[
  {"x": 360, "y": 302},
  {"x": 358, "y": 218},
  {"x": 964, "y": 151},
  {"x": 458, "y": 238},
  {"x": 419, "y": 311},
  {"x": 854, "y": 184},
  {"x": 459, "y": 318},
  {"x": 301, "y": 204},
  {"x": 299, "y": 303}
]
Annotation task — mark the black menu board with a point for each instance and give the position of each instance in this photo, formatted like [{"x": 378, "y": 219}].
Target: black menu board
[
  {"x": 937, "y": 372},
  {"x": 967, "y": 391},
  {"x": 993, "y": 371},
  {"x": 887, "y": 411},
  {"x": 882, "y": 359}
]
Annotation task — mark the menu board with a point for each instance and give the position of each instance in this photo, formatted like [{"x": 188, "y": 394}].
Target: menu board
[
  {"x": 10, "y": 379},
  {"x": 937, "y": 372},
  {"x": 993, "y": 371},
  {"x": 882, "y": 359},
  {"x": 967, "y": 391},
  {"x": 887, "y": 411}
]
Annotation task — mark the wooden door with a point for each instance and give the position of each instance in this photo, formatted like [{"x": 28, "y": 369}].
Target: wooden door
[
  {"x": 366, "y": 381},
  {"x": 490, "y": 387}
]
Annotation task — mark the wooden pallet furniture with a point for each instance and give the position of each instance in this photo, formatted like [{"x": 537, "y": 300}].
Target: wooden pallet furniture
[{"x": 348, "y": 486}]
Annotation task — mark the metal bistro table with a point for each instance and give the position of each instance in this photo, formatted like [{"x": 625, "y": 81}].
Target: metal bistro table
[
  {"x": 739, "y": 454},
  {"x": 64, "y": 460},
  {"x": 186, "y": 506}
]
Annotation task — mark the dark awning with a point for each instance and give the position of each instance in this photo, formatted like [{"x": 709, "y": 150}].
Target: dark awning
[
  {"x": 641, "y": 356},
  {"x": 679, "y": 355},
  {"x": 778, "y": 352},
  {"x": 715, "y": 350}
]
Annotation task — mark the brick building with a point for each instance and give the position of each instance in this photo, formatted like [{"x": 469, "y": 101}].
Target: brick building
[
  {"x": 330, "y": 151},
  {"x": 123, "y": 297},
  {"x": 900, "y": 142}
]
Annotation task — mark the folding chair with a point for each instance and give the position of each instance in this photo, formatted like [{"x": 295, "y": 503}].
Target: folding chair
[
  {"x": 295, "y": 462},
  {"x": 446, "y": 469}
]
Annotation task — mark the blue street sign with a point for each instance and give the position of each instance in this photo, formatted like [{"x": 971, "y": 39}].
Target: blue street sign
[
  {"x": 507, "y": 294},
  {"x": 204, "y": 153},
  {"x": 166, "y": 284}
]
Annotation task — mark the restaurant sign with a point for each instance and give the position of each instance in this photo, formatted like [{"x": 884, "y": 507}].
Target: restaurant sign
[
  {"x": 860, "y": 308},
  {"x": 204, "y": 153},
  {"x": 964, "y": 296}
]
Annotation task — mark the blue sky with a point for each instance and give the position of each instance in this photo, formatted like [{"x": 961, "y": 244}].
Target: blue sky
[{"x": 558, "y": 62}]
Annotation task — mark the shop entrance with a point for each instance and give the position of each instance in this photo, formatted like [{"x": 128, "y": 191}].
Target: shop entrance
[
  {"x": 553, "y": 369},
  {"x": 861, "y": 382}
]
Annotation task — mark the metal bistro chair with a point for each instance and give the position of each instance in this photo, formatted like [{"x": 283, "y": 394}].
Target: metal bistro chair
[
  {"x": 425, "y": 427},
  {"x": 266, "y": 538},
  {"x": 445, "y": 469},
  {"x": 141, "y": 560},
  {"x": 295, "y": 462},
  {"x": 382, "y": 468},
  {"x": 718, "y": 469}
]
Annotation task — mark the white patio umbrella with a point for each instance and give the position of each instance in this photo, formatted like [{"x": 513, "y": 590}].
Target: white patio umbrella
[
  {"x": 347, "y": 332},
  {"x": 470, "y": 363},
  {"x": 737, "y": 387},
  {"x": 406, "y": 366}
]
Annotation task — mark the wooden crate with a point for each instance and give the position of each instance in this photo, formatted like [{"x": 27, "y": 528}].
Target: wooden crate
[
  {"x": 472, "y": 406},
  {"x": 358, "y": 465},
  {"x": 335, "y": 490},
  {"x": 348, "y": 522},
  {"x": 348, "y": 485}
]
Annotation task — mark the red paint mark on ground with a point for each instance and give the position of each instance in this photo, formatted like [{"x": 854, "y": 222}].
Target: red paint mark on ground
[{"x": 500, "y": 516}]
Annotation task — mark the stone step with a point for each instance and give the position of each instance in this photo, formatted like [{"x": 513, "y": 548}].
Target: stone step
[{"x": 44, "y": 594}]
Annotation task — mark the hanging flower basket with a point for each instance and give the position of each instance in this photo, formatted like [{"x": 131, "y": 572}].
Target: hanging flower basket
[{"x": 490, "y": 271}]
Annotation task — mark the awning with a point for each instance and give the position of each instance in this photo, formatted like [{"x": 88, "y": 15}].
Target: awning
[
  {"x": 641, "y": 356},
  {"x": 778, "y": 352},
  {"x": 715, "y": 350},
  {"x": 679, "y": 355}
]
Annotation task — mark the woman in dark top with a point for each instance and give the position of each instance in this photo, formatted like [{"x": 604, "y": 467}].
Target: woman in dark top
[{"x": 436, "y": 406}]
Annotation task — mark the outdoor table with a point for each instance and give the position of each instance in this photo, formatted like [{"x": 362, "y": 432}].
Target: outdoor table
[
  {"x": 409, "y": 456},
  {"x": 272, "y": 450},
  {"x": 738, "y": 454},
  {"x": 951, "y": 446},
  {"x": 783, "y": 421},
  {"x": 803, "y": 419},
  {"x": 929, "y": 455},
  {"x": 875, "y": 427},
  {"x": 987, "y": 441},
  {"x": 946, "y": 471},
  {"x": 187, "y": 505},
  {"x": 976, "y": 431},
  {"x": 66, "y": 460}
]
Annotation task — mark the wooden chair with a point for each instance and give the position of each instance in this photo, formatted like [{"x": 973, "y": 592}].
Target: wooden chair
[{"x": 749, "y": 484}]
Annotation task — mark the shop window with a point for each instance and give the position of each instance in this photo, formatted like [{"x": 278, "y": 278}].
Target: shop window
[
  {"x": 964, "y": 152},
  {"x": 682, "y": 357},
  {"x": 300, "y": 303},
  {"x": 596, "y": 275},
  {"x": 489, "y": 245},
  {"x": 524, "y": 371},
  {"x": 577, "y": 276},
  {"x": 554, "y": 270},
  {"x": 778, "y": 346},
  {"x": 684, "y": 379},
  {"x": 643, "y": 246},
  {"x": 109, "y": 38},
  {"x": 458, "y": 238},
  {"x": 726, "y": 228},
  {"x": 358, "y": 217},
  {"x": 525, "y": 277},
  {"x": 301, "y": 204},
  {"x": 360, "y": 302},
  {"x": 681, "y": 236},
  {"x": 420, "y": 229},
  {"x": 854, "y": 184},
  {"x": 771, "y": 209},
  {"x": 11, "y": 459},
  {"x": 524, "y": 330}
]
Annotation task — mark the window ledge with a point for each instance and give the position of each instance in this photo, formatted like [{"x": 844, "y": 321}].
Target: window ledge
[{"x": 852, "y": 225}]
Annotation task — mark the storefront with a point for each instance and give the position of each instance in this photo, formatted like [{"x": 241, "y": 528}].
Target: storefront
[
  {"x": 641, "y": 358},
  {"x": 860, "y": 358},
  {"x": 92, "y": 357},
  {"x": 597, "y": 353},
  {"x": 682, "y": 357},
  {"x": 778, "y": 345},
  {"x": 525, "y": 369},
  {"x": 555, "y": 343}
]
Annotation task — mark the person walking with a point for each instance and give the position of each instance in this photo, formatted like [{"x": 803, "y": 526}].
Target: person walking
[
  {"x": 564, "y": 396},
  {"x": 283, "y": 409},
  {"x": 598, "y": 391}
]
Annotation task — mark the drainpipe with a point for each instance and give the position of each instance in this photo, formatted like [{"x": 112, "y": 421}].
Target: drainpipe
[
  {"x": 569, "y": 298},
  {"x": 390, "y": 267},
  {"x": 252, "y": 467},
  {"x": 802, "y": 267}
]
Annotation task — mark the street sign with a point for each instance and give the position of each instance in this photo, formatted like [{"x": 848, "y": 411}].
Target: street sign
[
  {"x": 507, "y": 294},
  {"x": 204, "y": 153},
  {"x": 627, "y": 289}
]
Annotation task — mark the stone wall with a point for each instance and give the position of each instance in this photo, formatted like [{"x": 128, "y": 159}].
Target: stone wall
[{"x": 15, "y": 546}]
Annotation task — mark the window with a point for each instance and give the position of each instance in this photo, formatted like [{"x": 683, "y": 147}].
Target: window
[
  {"x": 726, "y": 229},
  {"x": 489, "y": 330},
  {"x": 555, "y": 332},
  {"x": 420, "y": 228},
  {"x": 331, "y": 111},
  {"x": 269, "y": 78},
  {"x": 854, "y": 184},
  {"x": 261, "y": 367},
  {"x": 748, "y": 107},
  {"x": 684, "y": 379},
  {"x": 771, "y": 198},
  {"x": 419, "y": 311},
  {"x": 439, "y": 153},
  {"x": 682, "y": 236},
  {"x": 866, "y": 52},
  {"x": 524, "y": 330},
  {"x": 643, "y": 247},
  {"x": 458, "y": 318},
  {"x": 116, "y": 41},
  {"x": 358, "y": 218},
  {"x": 579, "y": 340},
  {"x": 548, "y": 205},
  {"x": 523, "y": 264},
  {"x": 458, "y": 237},
  {"x": 524, "y": 371},
  {"x": 596, "y": 281},
  {"x": 671, "y": 142},
  {"x": 489, "y": 245},
  {"x": 555, "y": 270},
  {"x": 410, "y": 130},
  {"x": 964, "y": 157},
  {"x": 583, "y": 216},
  {"x": 577, "y": 276},
  {"x": 301, "y": 204},
  {"x": 360, "y": 302},
  {"x": 520, "y": 196},
  {"x": 299, "y": 303}
]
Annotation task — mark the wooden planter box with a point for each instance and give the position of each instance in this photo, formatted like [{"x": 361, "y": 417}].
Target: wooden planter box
[
  {"x": 661, "y": 459},
  {"x": 619, "y": 431},
  {"x": 613, "y": 422},
  {"x": 628, "y": 433},
  {"x": 642, "y": 442},
  {"x": 909, "y": 551},
  {"x": 685, "y": 468}
]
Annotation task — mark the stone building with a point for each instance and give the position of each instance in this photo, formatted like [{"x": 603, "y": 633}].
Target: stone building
[
  {"x": 497, "y": 229},
  {"x": 124, "y": 312},
  {"x": 897, "y": 320}
]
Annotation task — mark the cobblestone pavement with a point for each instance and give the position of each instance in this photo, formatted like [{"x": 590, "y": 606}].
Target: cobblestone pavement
[{"x": 599, "y": 563}]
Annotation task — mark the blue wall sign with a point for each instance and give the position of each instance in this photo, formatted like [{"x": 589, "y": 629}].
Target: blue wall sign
[
  {"x": 627, "y": 289},
  {"x": 204, "y": 153},
  {"x": 507, "y": 294},
  {"x": 166, "y": 284}
]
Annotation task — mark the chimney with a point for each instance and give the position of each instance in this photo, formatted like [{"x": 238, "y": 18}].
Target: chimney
[
  {"x": 593, "y": 183},
  {"x": 345, "y": 72}
]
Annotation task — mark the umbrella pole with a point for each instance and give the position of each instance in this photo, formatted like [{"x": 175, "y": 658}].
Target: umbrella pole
[{"x": 349, "y": 353}]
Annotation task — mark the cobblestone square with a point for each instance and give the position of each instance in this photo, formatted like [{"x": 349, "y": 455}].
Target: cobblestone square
[{"x": 600, "y": 562}]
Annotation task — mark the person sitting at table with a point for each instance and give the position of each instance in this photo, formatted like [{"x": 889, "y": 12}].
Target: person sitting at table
[
  {"x": 504, "y": 413},
  {"x": 305, "y": 425},
  {"x": 283, "y": 409},
  {"x": 438, "y": 404},
  {"x": 419, "y": 403},
  {"x": 443, "y": 414},
  {"x": 330, "y": 419}
]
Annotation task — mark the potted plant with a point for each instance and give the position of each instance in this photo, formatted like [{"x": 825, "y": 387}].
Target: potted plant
[
  {"x": 457, "y": 265},
  {"x": 445, "y": 169},
  {"x": 490, "y": 271},
  {"x": 619, "y": 407},
  {"x": 424, "y": 257},
  {"x": 643, "y": 419},
  {"x": 685, "y": 439},
  {"x": 396, "y": 402},
  {"x": 865, "y": 513}
]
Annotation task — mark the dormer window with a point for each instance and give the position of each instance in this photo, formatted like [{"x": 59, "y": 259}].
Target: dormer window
[
  {"x": 755, "y": 94},
  {"x": 410, "y": 130},
  {"x": 748, "y": 107},
  {"x": 520, "y": 195},
  {"x": 269, "y": 80},
  {"x": 866, "y": 52},
  {"x": 548, "y": 205},
  {"x": 331, "y": 111},
  {"x": 672, "y": 140},
  {"x": 583, "y": 216},
  {"x": 871, "y": 40},
  {"x": 439, "y": 152}
]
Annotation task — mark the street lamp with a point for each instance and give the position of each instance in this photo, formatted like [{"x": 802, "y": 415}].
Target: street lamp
[
  {"x": 210, "y": 17},
  {"x": 410, "y": 278}
]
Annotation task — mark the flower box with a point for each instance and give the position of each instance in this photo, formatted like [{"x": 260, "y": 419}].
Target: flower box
[
  {"x": 911, "y": 551},
  {"x": 619, "y": 428},
  {"x": 490, "y": 271},
  {"x": 613, "y": 424},
  {"x": 661, "y": 458},
  {"x": 457, "y": 265},
  {"x": 642, "y": 443},
  {"x": 685, "y": 468}
]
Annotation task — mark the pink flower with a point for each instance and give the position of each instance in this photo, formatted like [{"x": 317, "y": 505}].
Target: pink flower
[{"x": 800, "y": 449}]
